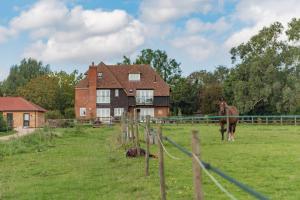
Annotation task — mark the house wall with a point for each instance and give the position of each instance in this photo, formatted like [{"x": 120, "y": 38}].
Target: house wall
[
  {"x": 36, "y": 119},
  {"x": 81, "y": 101}
]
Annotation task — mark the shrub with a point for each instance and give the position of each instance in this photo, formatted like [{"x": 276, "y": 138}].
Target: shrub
[
  {"x": 54, "y": 114},
  {"x": 3, "y": 124},
  {"x": 69, "y": 113}
]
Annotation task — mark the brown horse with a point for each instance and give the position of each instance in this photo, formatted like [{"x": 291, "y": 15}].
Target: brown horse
[{"x": 232, "y": 111}]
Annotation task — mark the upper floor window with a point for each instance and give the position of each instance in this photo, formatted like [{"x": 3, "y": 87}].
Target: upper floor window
[
  {"x": 116, "y": 92},
  {"x": 144, "y": 96},
  {"x": 103, "y": 96},
  {"x": 100, "y": 75},
  {"x": 134, "y": 77}
]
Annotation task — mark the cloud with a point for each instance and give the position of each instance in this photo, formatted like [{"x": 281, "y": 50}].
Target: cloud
[
  {"x": 161, "y": 11},
  {"x": 256, "y": 14},
  {"x": 195, "y": 46},
  {"x": 76, "y": 35},
  {"x": 195, "y": 25}
]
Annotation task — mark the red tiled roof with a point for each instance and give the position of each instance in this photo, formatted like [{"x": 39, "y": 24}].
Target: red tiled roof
[
  {"x": 18, "y": 104},
  {"x": 116, "y": 76}
]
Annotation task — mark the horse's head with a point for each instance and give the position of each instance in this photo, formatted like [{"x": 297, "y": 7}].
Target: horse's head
[{"x": 222, "y": 106}]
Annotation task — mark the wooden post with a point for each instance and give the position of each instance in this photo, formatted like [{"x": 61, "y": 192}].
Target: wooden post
[
  {"x": 131, "y": 132},
  {"x": 227, "y": 122},
  {"x": 252, "y": 120},
  {"x": 295, "y": 121},
  {"x": 137, "y": 140},
  {"x": 267, "y": 120},
  {"x": 147, "y": 145},
  {"x": 161, "y": 166},
  {"x": 196, "y": 166}
]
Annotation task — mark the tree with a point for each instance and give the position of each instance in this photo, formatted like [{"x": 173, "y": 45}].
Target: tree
[
  {"x": 54, "y": 91},
  {"x": 209, "y": 96},
  {"x": 21, "y": 74},
  {"x": 265, "y": 73},
  {"x": 168, "y": 68}
]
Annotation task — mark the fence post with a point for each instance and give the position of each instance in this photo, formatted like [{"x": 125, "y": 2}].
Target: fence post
[
  {"x": 267, "y": 120},
  {"x": 280, "y": 120},
  {"x": 161, "y": 166},
  {"x": 295, "y": 121},
  {"x": 196, "y": 166},
  {"x": 131, "y": 132},
  {"x": 147, "y": 144},
  {"x": 136, "y": 133},
  {"x": 252, "y": 120},
  {"x": 227, "y": 122}
]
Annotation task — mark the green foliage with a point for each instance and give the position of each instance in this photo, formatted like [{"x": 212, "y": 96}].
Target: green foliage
[
  {"x": 21, "y": 74},
  {"x": 167, "y": 68},
  {"x": 266, "y": 74},
  {"x": 55, "y": 93},
  {"x": 53, "y": 114},
  {"x": 69, "y": 113},
  {"x": 3, "y": 124}
]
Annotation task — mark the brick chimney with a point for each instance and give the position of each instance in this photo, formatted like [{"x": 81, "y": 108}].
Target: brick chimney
[{"x": 92, "y": 78}]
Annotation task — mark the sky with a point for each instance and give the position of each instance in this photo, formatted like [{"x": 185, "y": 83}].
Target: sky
[{"x": 71, "y": 34}]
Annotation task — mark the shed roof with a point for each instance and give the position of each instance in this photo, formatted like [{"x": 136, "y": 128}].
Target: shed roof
[{"x": 18, "y": 104}]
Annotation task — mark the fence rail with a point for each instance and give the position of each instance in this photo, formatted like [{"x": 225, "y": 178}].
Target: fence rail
[{"x": 243, "y": 119}]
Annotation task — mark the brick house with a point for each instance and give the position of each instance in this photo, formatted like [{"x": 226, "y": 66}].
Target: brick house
[
  {"x": 109, "y": 90},
  {"x": 20, "y": 113}
]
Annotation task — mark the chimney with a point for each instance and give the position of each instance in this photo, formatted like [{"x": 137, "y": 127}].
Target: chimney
[{"x": 92, "y": 79}]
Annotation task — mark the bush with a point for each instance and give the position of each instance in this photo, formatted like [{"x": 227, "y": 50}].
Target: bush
[
  {"x": 3, "y": 124},
  {"x": 54, "y": 114},
  {"x": 69, "y": 113}
]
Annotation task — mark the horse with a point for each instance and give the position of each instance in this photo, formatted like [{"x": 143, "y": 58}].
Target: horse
[
  {"x": 232, "y": 111},
  {"x": 133, "y": 152}
]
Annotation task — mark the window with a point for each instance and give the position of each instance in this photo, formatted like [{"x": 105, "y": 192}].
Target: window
[
  {"x": 144, "y": 97},
  {"x": 82, "y": 112},
  {"x": 103, "y": 114},
  {"x": 100, "y": 75},
  {"x": 116, "y": 92},
  {"x": 146, "y": 111},
  {"x": 134, "y": 77},
  {"x": 103, "y": 96},
  {"x": 118, "y": 112}
]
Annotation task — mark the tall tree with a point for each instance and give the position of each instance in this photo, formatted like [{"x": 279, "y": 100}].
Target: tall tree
[
  {"x": 168, "y": 68},
  {"x": 21, "y": 74},
  {"x": 264, "y": 75}
]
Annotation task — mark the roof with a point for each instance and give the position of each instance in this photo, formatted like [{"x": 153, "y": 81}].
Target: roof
[
  {"x": 116, "y": 76},
  {"x": 18, "y": 104}
]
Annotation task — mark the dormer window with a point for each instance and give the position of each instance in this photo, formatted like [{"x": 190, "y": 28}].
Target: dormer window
[
  {"x": 134, "y": 77},
  {"x": 100, "y": 75}
]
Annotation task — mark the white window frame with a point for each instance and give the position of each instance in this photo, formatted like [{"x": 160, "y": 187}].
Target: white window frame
[
  {"x": 134, "y": 77},
  {"x": 103, "y": 96},
  {"x": 82, "y": 112},
  {"x": 116, "y": 92},
  {"x": 146, "y": 111},
  {"x": 144, "y": 96},
  {"x": 103, "y": 114},
  {"x": 118, "y": 112}
]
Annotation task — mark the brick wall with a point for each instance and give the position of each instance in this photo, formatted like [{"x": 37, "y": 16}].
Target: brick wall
[{"x": 36, "y": 119}]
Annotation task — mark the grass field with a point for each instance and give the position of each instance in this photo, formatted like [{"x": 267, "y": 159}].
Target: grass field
[{"x": 86, "y": 163}]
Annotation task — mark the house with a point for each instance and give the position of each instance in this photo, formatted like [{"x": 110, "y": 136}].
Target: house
[
  {"x": 20, "y": 113},
  {"x": 109, "y": 90}
]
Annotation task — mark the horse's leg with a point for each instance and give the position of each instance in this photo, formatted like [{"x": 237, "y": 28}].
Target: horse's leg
[
  {"x": 222, "y": 130},
  {"x": 230, "y": 133},
  {"x": 233, "y": 130}
]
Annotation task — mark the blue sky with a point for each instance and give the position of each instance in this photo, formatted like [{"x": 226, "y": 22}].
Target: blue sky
[{"x": 70, "y": 34}]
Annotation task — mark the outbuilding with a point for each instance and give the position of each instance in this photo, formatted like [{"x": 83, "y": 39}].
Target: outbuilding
[{"x": 20, "y": 113}]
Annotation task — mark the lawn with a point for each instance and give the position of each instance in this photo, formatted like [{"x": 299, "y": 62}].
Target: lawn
[{"x": 87, "y": 163}]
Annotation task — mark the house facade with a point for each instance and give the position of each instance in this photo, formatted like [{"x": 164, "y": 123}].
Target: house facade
[
  {"x": 109, "y": 90},
  {"x": 20, "y": 113}
]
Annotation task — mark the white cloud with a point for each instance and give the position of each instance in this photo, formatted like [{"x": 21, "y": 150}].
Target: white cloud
[
  {"x": 195, "y": 46},
  {"x": 195, "y": 25},
  {"x": 60, "y": 34},
  {"x": 160, "y": 11},
  {"x": 256, "y": 14}
]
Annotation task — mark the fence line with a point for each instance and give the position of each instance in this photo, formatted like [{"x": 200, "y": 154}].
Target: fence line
[{"x": 220, "y": 173}]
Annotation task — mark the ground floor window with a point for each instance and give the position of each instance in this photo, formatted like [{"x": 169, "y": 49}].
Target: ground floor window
[
  {"x": 146, "y": 111},
  {"x": 26, "y": 120},
  {"x": 118, "y": 112},
  {"x": 103, "y": 114},
  {"x": 82, "y": 112}
]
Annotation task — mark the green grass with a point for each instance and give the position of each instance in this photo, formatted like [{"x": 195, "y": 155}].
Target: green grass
[
  {"x": 86, "y": 163},
  {"x": 4, "y": 133}
]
